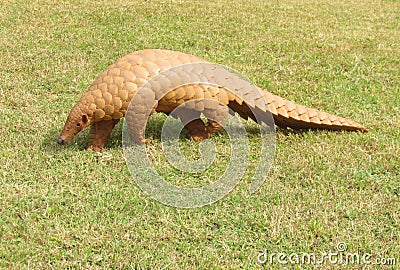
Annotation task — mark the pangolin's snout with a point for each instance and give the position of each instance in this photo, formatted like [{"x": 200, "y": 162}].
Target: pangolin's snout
[{"x": 61, "y": 140}]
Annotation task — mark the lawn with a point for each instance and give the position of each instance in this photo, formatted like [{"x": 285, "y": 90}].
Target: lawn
[{"x": 64, "y": 207}]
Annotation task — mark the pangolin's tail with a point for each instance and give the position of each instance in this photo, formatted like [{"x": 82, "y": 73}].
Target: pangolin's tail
[{"x": 295, "y": 116}]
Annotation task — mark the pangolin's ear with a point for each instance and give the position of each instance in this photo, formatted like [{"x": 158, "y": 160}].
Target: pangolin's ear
[{"x": 85, "y": 118}]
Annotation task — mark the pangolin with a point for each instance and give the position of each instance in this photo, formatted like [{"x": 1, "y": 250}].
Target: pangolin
[{"x": 107, "y": 100}]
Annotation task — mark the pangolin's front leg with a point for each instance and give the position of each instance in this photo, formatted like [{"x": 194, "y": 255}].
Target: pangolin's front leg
[{"x": 100, "y": 133}]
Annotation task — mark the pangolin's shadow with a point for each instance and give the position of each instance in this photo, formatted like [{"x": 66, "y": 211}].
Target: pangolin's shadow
[{"x": 49, "y": 142}]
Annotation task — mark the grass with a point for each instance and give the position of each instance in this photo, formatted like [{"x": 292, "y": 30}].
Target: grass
[{"x": 62, "y": 207}]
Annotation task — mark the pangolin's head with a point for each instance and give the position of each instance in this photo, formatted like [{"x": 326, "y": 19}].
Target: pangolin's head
[{"x": 76, "y": 121}]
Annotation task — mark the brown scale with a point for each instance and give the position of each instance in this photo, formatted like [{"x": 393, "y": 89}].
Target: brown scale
[{"x": 108, "y": 98}]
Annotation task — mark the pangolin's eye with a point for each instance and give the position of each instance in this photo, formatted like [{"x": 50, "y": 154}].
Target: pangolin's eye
[{"x": 78, "y": 124}]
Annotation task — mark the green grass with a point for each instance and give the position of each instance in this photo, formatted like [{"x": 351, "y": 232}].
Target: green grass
[{"x": 62, "y": 207}]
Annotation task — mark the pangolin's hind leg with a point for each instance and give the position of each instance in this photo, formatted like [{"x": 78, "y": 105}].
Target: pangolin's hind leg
[
  {"x": 213, "y": 126},
  {"x": 197, "y": 130},
  {"x": 100, "y": 133},
  {"x": 216, "y": 117},
  {"x": 193, "y": 123}
]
